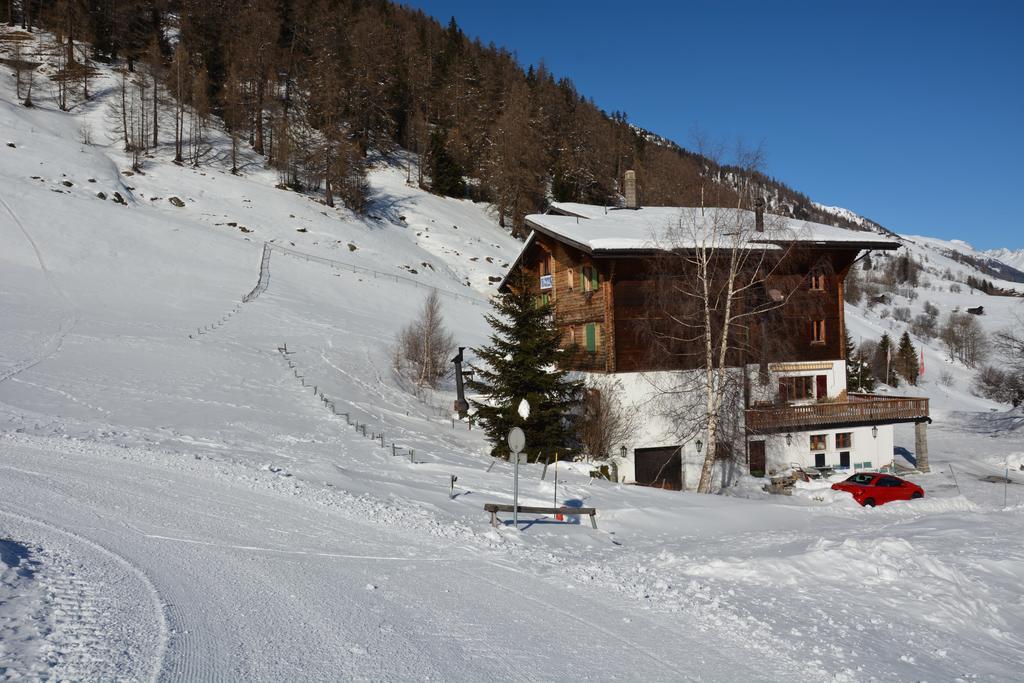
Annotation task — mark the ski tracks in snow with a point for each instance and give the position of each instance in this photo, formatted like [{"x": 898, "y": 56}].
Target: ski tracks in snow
[
  {"x": 67, "y": 324},
  {"x": 91, "y": 614}
]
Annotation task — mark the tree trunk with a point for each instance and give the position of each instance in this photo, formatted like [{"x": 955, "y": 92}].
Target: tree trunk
[
  {"x": 156, "y": 107},
  {"x": 258, "y": 143},
  {"x": 124, "y": 111},
  {"x": 328, "y": 194}
]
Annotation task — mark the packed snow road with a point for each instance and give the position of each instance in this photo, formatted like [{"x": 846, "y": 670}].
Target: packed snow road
[{"x": 260, "y": 585}]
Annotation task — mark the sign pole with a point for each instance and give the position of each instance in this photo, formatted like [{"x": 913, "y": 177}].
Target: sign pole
[
  {"x": 515, "y": 493},
  {"x": 516, "y": 443}
]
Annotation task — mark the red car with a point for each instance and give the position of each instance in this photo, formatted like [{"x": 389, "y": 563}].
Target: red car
[{"x": 872, "y": 488}]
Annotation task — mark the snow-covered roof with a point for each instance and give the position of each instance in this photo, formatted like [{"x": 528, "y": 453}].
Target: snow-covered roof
[{"x": 598, "y": 229}]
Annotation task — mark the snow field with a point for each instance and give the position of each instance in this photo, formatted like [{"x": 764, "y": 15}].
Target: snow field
[{"x": 191, "y": 506}]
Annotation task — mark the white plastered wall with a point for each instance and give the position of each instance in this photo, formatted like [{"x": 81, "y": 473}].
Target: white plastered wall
[{"x": 867, "y": 450}]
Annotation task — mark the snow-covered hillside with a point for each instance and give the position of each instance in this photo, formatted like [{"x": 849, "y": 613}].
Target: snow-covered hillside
[{"x": 182, "y": 494}]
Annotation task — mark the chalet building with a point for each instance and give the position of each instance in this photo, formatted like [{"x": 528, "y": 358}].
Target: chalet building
[{"x": 594, "y": 264}]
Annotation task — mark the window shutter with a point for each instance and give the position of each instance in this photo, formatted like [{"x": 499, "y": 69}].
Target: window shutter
[
  {"x": 593, "y": 279},
  {"x": 583, "y": 277},
  {"x": 591, "y": 337}
]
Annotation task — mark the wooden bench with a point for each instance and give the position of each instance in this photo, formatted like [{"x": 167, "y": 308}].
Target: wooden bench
[{"x": 495, "y": 508}]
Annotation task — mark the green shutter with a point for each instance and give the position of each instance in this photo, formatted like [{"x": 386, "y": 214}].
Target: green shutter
[
  {"x": 593, "y": 279},
  {"x": 583, "y": 278},
  {"x": 591, "y": 338}
]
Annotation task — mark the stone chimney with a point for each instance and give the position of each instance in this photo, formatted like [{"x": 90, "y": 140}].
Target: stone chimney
[
  {"x": 631, "y": 199},
  {"x": 759, "y": 214}
]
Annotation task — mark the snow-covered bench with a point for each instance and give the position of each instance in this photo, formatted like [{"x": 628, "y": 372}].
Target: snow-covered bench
[{"x": 495, "y": 508}]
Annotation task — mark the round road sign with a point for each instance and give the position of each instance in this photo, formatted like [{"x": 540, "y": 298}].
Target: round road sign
[{"x": 516, "y": 439}]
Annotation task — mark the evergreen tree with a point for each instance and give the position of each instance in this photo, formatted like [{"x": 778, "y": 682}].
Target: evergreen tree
[
  {"x": 885, "y": 358},
  {"x": 859, "y": 377},
  {"x": 445, "y": 173},
  {"x": 522, "y": 361},
  {"x": 906, "y": 359}
]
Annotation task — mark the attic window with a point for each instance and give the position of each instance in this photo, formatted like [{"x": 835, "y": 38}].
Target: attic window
[
  {"x": 589, "y": 279},
  {"x": 817, "y": 281}
]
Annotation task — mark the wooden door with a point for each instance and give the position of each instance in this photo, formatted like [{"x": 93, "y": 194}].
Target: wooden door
[
  {"x": 822, "y": 386},
  {"x": 758, "y": 460},
  {"x": 659, "y": 467}
]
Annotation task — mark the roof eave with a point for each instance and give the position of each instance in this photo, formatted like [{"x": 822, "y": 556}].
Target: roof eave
[{"x": 519, "y": 257}]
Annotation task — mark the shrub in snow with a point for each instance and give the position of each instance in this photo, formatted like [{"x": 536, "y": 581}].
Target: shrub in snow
[
  {"x": 946, "y": 378},
  {"x": 605, "y": 421},
  {"x": 901, "y": 313},
  {"x": 925, "y": 327},
  {"x": 964, "y": 339},
  {"x": 1005, "y": 386}
]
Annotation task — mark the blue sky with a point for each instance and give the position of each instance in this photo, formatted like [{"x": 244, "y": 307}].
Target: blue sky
[{"x": 910, "y": 113}]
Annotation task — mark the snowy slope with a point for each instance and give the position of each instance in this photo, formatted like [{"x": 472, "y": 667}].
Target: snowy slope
[{"x": 176, "y": 502}]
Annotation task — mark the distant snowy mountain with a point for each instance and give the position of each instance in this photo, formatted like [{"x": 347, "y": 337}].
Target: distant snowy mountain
[
  {"x": 1002, "y": 264},
  {"x": 852, "y": 217},
  {"x": 1011, "y": 257}
]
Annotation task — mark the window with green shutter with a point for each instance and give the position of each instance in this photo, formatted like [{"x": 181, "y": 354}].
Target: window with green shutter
[
  {"x": 589, "y": 278},
  {"x": 591, "y": 337}
]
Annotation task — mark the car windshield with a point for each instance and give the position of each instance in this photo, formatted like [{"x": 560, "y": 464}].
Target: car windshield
[{"x": 861, "y": 478}]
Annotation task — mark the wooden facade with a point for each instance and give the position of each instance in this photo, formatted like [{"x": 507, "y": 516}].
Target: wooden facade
[{"x": 601, "y": 304}]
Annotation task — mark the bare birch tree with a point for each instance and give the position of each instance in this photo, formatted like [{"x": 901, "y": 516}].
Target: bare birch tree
[
  {"x": 424, "y": 346},
  {"x": 709, "y": 294}
]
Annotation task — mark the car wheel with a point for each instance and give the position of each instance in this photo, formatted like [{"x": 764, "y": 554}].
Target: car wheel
[
  {"x": 915, "y": 495},
  {"x": 869, "y": 502}
]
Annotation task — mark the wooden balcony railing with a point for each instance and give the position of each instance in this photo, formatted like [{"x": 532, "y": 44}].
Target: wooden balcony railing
[{"x": 857, "y": 409}]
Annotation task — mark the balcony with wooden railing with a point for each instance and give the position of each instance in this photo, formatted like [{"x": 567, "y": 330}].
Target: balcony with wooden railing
[{"x": 857, "y": 409}]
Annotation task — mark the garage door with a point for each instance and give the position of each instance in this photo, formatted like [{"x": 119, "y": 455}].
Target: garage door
[{"x": 659, "y": 467}]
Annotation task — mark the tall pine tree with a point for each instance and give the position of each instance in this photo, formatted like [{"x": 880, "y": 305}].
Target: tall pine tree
[
  {"x": 884, "y": 362},
  {"x": 523, "y": 361},
  {"x": 906, "y": 359}
]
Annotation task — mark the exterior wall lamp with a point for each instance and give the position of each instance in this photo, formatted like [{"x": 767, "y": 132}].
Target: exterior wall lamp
[
  {"x": 622, "y": 452},
  {"x": 699, "y": 445},
  {"x": 789, "y": 439},
  {"x": 874, "y": 432}
]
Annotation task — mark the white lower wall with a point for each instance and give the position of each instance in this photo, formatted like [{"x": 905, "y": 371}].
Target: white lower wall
[
  {"x": 866, "y": 450},
  {"x": 643, "y": 394}
]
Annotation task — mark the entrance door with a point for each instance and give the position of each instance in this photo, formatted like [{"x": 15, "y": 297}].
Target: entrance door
[
  {"x": 758, "y": 461},
  {"x": 659, "y": 467},
  {"x": 821, "y": 388}
]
